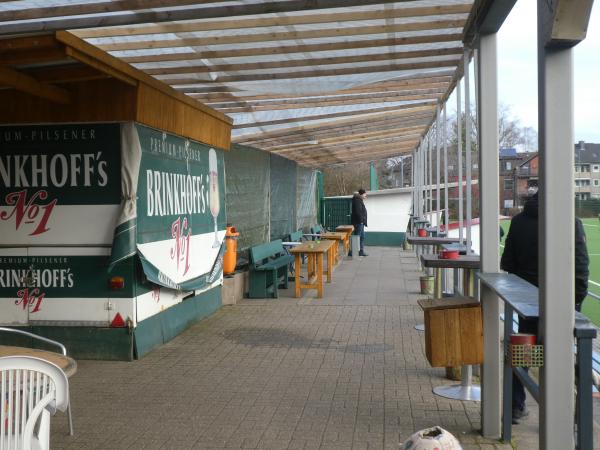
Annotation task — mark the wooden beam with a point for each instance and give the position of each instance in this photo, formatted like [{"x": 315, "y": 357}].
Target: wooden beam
[
  {"x": 290, "y": 49},
  {"x": 92, "y": 56},
  {"x": 278, "y": 36},
  {"x": 327, "y": 102},
  {"x": 359, "y": 158},
  {"x": 413, "y": 107},
  {"x": 397, "y": 124},
  {"x": 91, "y": 8},
  {"x": 361, "y": 120},
  {"x": 66, "y": 74},
  {"x": 323, "y": 141},
  {"x": 276, "y": 20},
  {"x": 35, "y": 56},
  {"x": 172, "y": 14},
  {"x": 27, "y": 43},
  {"x": 306, "y": 62},
  {"x": 225, "y": 97},
  {"x": 357, "y": 153},
  {"x": 318, "y": 73},
  {"x": 28, "y": 84},
  {"x": 354, "y": 144}
]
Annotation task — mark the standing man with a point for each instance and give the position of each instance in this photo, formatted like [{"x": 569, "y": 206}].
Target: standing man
[
  {"x": 359, "y": 218},
  {"x": 521, "y": 258}
]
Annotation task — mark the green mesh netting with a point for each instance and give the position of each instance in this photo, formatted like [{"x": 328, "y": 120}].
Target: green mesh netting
[
  {"x": 247, "y": 194},
  {"x": 306, "y": 198},
  {"x": 283, "y": 197}
]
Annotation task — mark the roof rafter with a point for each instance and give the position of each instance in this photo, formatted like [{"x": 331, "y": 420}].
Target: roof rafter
[
  {"x": 277, "y": 20},
  {"x": 305, "y": 62},
  {"x": 320, "y": 73},
  {"x": 170, "y": 15},
  {"x": 280, "y": 36},
  {"x": 413, "y": 107},
  {"x": 289, "y": 49}
]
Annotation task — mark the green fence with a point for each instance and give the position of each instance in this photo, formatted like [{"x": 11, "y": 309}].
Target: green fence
[
  {"x": 587, "y": 208},
  {"x": 336, "y": 211}
]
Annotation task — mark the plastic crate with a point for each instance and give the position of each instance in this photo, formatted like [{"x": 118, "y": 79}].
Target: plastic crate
[{"x": 525, "y": 355}]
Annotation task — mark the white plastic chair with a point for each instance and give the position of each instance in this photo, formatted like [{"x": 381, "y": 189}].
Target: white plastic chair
[
  {"x": 61, "y": 347},
  {"x": 31, "y": 390}
]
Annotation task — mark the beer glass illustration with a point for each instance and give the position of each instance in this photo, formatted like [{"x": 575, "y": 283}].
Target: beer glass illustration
[{"x": 213, "y": 181}]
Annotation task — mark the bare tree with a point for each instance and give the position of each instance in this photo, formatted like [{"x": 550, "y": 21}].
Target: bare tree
[{"x": 345, "y": 179}]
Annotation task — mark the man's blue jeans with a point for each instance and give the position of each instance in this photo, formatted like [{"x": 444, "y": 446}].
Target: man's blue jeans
[{"x": 359, "y": 230}]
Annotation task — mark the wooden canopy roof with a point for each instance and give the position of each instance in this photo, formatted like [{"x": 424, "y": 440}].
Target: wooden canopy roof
[{"x": 317, "y": 81}]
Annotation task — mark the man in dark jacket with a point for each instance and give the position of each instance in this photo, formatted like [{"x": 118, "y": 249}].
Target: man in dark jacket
[
  {"x": 521, "y": 258},
  {"x": 359, "y": 218}
]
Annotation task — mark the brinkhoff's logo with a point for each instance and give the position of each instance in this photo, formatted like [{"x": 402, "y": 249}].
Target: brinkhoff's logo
[
  {"x": 180, "y": 252},
  {"x": 29, "y": 211}
]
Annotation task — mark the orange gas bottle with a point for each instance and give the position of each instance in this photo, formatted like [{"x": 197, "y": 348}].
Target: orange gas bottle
[{"x": 230, "y": 258}]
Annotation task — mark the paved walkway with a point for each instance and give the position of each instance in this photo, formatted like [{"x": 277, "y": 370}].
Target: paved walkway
[{"x": 344, "y": 372}]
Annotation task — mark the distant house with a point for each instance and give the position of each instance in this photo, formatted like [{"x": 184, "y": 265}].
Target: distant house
[
  {"x": 587, "y": 170},
  {"x": 526, "y": 179},
  {"x": 510, "y": 159}
]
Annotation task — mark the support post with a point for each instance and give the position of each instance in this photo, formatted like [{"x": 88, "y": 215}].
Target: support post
[
  {"x": 445, "y": 138},
  {"x": 437, "y": 169},
  {"x": 487, "y": 97},
  {"x": 469, "y": 166},
  {"x": 459, "y": 162},
  {"x": 557, "y": 237}
]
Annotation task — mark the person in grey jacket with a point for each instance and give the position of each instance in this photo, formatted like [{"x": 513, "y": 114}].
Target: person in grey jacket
[{"x": 359, "y": 218}]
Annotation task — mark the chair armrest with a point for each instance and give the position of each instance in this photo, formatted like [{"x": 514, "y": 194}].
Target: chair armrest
[{"x": 63, "y": 349}]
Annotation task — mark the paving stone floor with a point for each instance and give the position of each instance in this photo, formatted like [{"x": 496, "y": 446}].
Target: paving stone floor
[{"x": 344, "y": 372}]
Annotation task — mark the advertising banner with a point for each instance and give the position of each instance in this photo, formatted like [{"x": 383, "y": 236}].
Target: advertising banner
[{"x": 179, "y": 214}]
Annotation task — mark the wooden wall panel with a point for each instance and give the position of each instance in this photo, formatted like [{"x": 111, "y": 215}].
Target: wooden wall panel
[
  {"x": 91, "y": 101},
  {"x": 158, "y": 110}
]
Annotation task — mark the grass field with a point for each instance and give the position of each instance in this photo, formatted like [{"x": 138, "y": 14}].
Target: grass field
[{"x": 591, "y": 306}]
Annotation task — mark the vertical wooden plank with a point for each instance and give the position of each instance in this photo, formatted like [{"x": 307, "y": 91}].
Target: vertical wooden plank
[
  {"x": 472, "y": 335},
  {"x": 452, "y": 328}
]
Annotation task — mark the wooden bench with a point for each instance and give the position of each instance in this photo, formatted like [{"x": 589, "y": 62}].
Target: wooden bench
[{"x": 269, "y": 263}]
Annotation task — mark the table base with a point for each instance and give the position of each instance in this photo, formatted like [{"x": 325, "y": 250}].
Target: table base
[{"x": 459, "y": 392}]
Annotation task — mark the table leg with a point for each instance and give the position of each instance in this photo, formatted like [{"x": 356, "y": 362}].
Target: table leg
[
  {"x": 437, "y": 293},
  {"x": 330, "y": 258},
  {"x": 297, "y": 269},
  {"x": 320, "y": 275},
  {"x": 468, "y": 282},
  {"x": 310, "y": 265}
]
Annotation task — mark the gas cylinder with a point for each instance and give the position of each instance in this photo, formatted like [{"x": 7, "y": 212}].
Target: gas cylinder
[{"x": 230, "y": 258}]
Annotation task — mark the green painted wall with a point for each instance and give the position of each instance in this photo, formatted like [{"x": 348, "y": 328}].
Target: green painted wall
[
  {"x": 163, "y": 327},
  {"x": 384, "y": 238}
]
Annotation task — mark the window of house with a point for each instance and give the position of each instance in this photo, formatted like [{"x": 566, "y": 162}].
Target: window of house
[
  {"x": 508, "y": 165},
  {"x": 508, "y": 203},
  {"x": 577, "y": 169},
  {"x": 596, "y": 168},
  {"x": 508, "y": 185},
  {"x": 596, "y": 182}
]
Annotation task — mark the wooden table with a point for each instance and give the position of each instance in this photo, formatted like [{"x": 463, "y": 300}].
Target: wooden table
[
  {"x": 348, "y": 229},
  {"x": 337, "y": 237},
  {"x": 68, "y": 365},
  {"x": 468, "y": 264},
  {"x": 314, "y": 252}
]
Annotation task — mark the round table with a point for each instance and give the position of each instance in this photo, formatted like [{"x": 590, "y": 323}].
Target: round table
[{"x": 68, "y": 365}]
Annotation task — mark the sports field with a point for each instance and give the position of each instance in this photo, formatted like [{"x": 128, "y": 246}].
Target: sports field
[{"x": 591, "y": 306}]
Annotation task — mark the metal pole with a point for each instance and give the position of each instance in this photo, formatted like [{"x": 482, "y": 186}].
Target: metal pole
[
  {"x": 459, "y": 162},
  {"x": 430, "y": 168},
  {"x": 438, "y": 168},
  {"x": 445, "y": 138},
  {"x": 557, "y": 236},
  {"x": 487, "y": 101},
  {"x": 468, "y": 150}
]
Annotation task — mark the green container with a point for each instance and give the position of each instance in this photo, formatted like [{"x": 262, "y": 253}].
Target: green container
[{"x": 427, "y": 284}]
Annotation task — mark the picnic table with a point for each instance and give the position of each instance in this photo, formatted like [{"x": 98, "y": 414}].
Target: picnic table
[
  {"x": 337, "y": 237},
  {"x": 314, "y": 252},
  {"x": 348, "y": 229}
]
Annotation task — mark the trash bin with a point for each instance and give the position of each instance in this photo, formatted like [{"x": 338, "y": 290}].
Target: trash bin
[
  {"x": 230, "y": 258},
  {"x": 355, "y": 244}
]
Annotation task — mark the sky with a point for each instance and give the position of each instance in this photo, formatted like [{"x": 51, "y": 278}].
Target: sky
[{"x": 517, "y": 70}]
